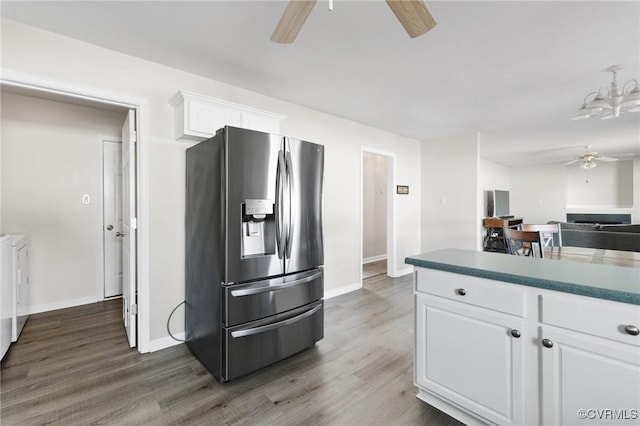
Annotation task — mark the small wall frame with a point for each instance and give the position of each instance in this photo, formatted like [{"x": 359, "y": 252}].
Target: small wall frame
[{"x": 402, "y": 189}]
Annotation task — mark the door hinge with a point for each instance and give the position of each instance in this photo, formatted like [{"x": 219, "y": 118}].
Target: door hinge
[
  {"x": 133, "y": 223},
  {"x": 134, "y": 309}
]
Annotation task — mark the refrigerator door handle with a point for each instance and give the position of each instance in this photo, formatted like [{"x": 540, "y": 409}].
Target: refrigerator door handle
[
  {"x": 290, "y": 188},
  {"x": 275, "y": 325},
  {"x": 267, "y": 288},
  {"x": 280, "y": 171}
]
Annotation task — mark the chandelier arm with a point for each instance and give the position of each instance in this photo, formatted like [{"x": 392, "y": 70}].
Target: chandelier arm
[
  {"x": 587, "y": 97},
  {"x": 625, "y": 87}
]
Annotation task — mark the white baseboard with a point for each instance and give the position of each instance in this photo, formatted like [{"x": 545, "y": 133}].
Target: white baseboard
[
  {"x": 374, "y": 259},
  {"x": 342, "y": 290},
  {"x": 403, "y": 272},
  {"x": 166, "y": 342},
  {"x": 36, "y": 309}
]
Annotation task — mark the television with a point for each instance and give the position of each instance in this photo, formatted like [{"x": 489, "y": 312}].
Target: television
[
  {"x": 501, "y": 203},
  {"x": 497, "y": 203}
]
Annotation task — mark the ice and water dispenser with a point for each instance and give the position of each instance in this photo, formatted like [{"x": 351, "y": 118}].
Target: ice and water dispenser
[{"x": 258, "y": 228}]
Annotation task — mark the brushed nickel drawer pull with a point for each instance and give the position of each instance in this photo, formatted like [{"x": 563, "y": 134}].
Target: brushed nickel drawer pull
[{"x": 632, "y": 330}]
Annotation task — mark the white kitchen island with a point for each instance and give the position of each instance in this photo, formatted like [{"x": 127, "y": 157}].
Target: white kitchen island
[{"x": 507, "y": 340}]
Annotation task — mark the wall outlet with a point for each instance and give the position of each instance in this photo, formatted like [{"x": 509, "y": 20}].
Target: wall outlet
[{"x": 86, "y": 199}]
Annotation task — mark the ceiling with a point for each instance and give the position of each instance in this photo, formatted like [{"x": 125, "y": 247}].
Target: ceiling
[{"x": 513, "y": 70}]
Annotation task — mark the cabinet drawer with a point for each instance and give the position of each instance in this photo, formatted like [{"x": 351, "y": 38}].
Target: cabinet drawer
[
  {"x": 495, "y": 295},
  {"x": 599, "y": 318}
]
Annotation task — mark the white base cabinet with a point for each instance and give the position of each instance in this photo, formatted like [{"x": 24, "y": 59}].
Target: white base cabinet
[
  {"x": 468, "y": 355},
  {"x": 489, "y": 352},
  {"x": 590, "y": 369}
]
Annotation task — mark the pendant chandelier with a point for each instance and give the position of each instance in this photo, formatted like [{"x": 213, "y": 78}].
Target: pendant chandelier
[{"x": 612, "y": 101}]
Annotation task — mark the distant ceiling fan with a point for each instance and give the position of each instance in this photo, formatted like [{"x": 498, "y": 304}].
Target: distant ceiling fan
[
  {"x": 414, "y": 16},
  {"x": 588, "y": 159}
]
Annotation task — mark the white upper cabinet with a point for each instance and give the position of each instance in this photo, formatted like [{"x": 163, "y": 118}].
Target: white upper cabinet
[{"x": 198, "y": 117}]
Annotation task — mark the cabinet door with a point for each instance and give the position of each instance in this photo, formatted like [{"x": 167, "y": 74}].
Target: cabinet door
[
  {"x": 580, "y": 372},
  {"x": 467, "y": 355}
]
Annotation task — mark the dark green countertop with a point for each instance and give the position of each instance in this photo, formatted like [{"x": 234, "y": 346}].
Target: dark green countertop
[{"x": 602, "y": 281}]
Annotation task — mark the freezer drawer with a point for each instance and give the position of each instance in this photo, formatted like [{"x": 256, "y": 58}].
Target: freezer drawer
[
  {"x": 261, "y": 299},
  {"x": 252, "y": 346}
]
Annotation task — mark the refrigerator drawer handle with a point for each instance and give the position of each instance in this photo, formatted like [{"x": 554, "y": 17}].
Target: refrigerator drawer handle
[
  {"x": 267, "y": 288},
  {"x": 275, "y": 325}
]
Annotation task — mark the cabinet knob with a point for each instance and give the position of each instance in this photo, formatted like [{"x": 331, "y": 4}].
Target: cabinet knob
[
  {"x": 515, "y": 333},
  {"x": 119, "y": 234},
  {"x": 461, "y": 291},
  {"x": 631, "y": 329},
  {"x": 547, "y": 343}
]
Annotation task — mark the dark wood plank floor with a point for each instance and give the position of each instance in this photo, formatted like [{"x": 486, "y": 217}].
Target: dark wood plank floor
[
  {"x": 373, "y": 269},
  {"x": 74, "y": 367}
]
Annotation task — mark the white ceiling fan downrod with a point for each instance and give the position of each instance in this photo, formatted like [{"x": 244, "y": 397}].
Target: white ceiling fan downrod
[{"x": 330, "y": 5}]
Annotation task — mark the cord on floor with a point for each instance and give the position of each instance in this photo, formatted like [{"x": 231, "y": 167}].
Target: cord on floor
[{"x": 169, "y": 319}]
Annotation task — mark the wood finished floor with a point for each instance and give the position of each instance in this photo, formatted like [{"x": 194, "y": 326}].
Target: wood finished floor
[
  {"x": 74, "y": 367},
  {"x": 373, "y": 269}
]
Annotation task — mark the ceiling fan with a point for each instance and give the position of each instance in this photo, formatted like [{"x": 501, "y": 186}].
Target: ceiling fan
[
  {"x": 588, "y": 159},
  {"x": 414, "y": 16}
]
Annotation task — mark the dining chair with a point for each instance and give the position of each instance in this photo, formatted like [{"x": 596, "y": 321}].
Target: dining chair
[
  {"x": 547, "y": 232},
  {"x": 524, "y": 243}
]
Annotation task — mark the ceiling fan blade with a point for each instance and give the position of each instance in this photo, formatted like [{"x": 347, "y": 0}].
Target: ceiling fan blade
[
  {"x": 414, "y": 16},
  {"x": 292, "y": 20},
  {"x": 606, "y": 159},
  {"x": 572, "y": 162}
]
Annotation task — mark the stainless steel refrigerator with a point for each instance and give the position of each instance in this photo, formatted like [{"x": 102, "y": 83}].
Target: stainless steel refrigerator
[{"x": 254, "y": 250}]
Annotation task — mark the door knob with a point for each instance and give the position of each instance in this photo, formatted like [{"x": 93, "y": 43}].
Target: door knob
[
  {"x": 119, "y": 234},
  {"x": 109, "y": 227}
]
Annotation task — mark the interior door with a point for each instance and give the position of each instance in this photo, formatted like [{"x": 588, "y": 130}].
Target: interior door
[
  {"x": 112, "y": 217},
  {"x": 305, "y": 172},
  {"x": 129, "y": 225}
]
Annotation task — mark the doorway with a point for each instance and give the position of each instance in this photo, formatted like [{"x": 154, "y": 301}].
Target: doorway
[
  {"x": 377, "y": 215},
  {"x": 135, "y": 313}
]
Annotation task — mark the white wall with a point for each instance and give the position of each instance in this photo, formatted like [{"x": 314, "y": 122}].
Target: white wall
[
  {"x": 538, "y": 193},
  {"x": 548, "y": 192},
  {"x": 450, "y": 193},
  {"x": 374, "y": 205},
  {"x": 609, "y": 185},
  {"x": 37, "y": 52},
  {"x": 493, "y": 176},
  {"x": 51, "y": 157}
]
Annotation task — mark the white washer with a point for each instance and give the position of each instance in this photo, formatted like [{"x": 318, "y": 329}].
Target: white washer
[{"x": 6, "y": 293}]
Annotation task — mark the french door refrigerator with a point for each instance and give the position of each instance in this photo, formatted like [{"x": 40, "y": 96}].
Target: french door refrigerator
[{"x": 254, "y": 250}]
